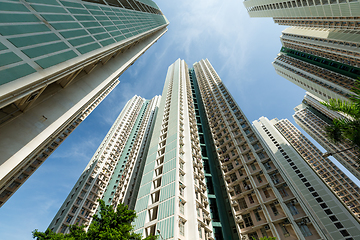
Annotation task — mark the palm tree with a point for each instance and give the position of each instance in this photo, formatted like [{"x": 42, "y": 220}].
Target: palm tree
[{"x": 348, "y": 128}]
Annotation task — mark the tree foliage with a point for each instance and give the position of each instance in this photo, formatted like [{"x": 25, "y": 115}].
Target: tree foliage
[
  {"x": 346, "y": 129},
  {"x": 109, "y": 225}
]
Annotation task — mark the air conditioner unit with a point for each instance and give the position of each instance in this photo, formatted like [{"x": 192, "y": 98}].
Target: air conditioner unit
[
  {"x": 276, "y": 202},
  {"x": 267, "y": 227},
  {"x": 295, "y": 201},
  {"x": 307, "y": 220},
  {"x": 259, "y": 208},
  {"x": 239, "y": 218},
  {"x": 286, "y": 221}
]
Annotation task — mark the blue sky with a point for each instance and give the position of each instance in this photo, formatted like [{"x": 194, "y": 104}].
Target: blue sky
[{"x": 240, "y": 49}]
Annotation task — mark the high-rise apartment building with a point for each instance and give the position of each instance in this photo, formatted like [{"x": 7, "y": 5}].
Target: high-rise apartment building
[
  {"x": 345, "y": 189},
  {"x": 113, "y": 171},
  {"x": 325, "y": 62},
  {"x": 331, "y": 214},
  {"x": 311, "y": 13},
  {"x": 313, "y": 117},
  {"x": 59, "y": 59},
  {"x": 206, "y": 174}
]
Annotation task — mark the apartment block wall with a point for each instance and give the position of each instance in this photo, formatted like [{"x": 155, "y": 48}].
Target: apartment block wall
[
  {"x": 75, "y": 50},
  {"x": 116, "y": 154},
  {"x": 344, "y": 188},
  {"x": 257, "y": 205},
  {"x": 172, "y": 196},
  {"x": 327, "y": 214}
]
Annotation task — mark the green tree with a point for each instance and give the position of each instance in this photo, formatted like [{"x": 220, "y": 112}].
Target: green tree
[
  {"x": 346, "y": 129},
  {"x": 109, "y": 225}
]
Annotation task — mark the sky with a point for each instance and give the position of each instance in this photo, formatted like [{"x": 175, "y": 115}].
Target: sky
[{"x": 240, "y": 48}]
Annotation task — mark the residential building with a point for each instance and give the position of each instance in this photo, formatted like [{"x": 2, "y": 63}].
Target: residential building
[
  {"x": 329, "y": 212},
  {"x": 341, "y": 185},
  {"x": 324, "y": 62},
  {"x": 59, "y": 60},
  {"x": 207, "y": 174},
  {"x": 312, "y": 117},
  {"x": 113, "y": 171},
  {"x": 311, "y": 13}
]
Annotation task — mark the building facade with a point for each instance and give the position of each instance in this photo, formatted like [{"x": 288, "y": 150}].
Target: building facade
[
  {"x": 113, "y": 171},
  {"x": 329, "y": 213},
  {"x": 313, "y": 13},
  {"x": 59, "y": 59},
  {"x": 324, "y": 62},
  {"x": 342, "y": 186},
  {"x": 313, "y": 117},
  {"x": 207, "y": 174}
]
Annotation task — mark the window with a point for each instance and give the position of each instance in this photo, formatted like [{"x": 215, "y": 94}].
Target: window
[
  {"x": 283, "y": 192},
  {"x": 292, "y": 209},
  {"x": 248, "y": 221},
  {"x": 266, "y": 193},
  {"x": 181, "y": 206},
  {"x": 274, "y": 209},
  {"x": 69, "y": 219},
  {"x": 267, "y": 165},
  {"x": 182, "y": 228},
  {"x": 257, "y": 215},
  {"x": 284, "y": 230},
  {"x": 258, "y": 177},
  {"x": 253, "y": 167},
  {"x": 251, "y": 200},
  {"x": 242, "y": 203},
  {"x": 200, "y": 232}
]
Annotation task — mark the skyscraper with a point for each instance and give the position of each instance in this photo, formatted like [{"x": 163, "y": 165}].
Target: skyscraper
[
  {"x": 312, "y": 13},
  {"x": 59, "y": 59},
  {"x": 206, "y": 174},
  {"x": 325, "y": 62},
  {"x": 343, "y": 187},
  {"x": 313, "y": 117},
  {"x": 113, "y": 171}
]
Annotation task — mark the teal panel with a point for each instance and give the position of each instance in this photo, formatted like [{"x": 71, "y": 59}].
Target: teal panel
[
  {"x": 112, "y": 28},
  {"x": 62, "y": 26},
  {"x": 88, "y": 48},
  {"x": 55, "y": 59},
  {"x": 80, "y": 41},
  {"x": 90, "y": 24},
  {"x": 147, "y": 178},
  {"x": 10, "y": 74},
  {"x": 149, "y": 167},
  {"x": 140, "y": 220},
  {"x": 56, "y": 18},
  {"x": 92, "y": 7},
  {"x": 21, "y": 29},
  {"x": 48, "y": 2},
  {"x": 107, "y": 42},
  {"x": 97, "y": 12},
  {"x": 101, "y": 18},
  {"x": 171, "y": 138},
  {"x": 166, "y": 228},
  {"x": 84, "y": 18},
  {"x": 144, "y": 189},
  {"x": 151, "y": 158},
  {"x": 48, "y": 9},
  {"x": 167, "y": 192},
  {"x": 78, "y": 11},
  {"x": 142, "y": 203},
  {"x": 16, "y": 7},
  {"x": 106, "y": 23},
  {"x": 2, "y": 47},
  {"x": 170, "y": 146},
  {"x": 42, "y": 50},
  {"x": 96, "y": 30},
  {"x": 74, "y": 33},
  {"x": 34, "y": 39},
  {"x": 8, "y": 58},
  {"x": 102, "y": 36},
  {"x": 169, "y": 165},
  {"x": 71, "y": 4},
  {"x": 105, "y": 8},
  {"x": 168, "y": 177},
  {"x": 114, "y": 18},
  {"x": 166, "y": 209},
  {"x": 8, "y": 18},
  {"x": 169, "y": 155},
  {"x": 108, "y": 13},
  {"x": 115, "y": 33},
  {"x": 153, "y": 150},
  {"x": 119, "y": 38}
]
